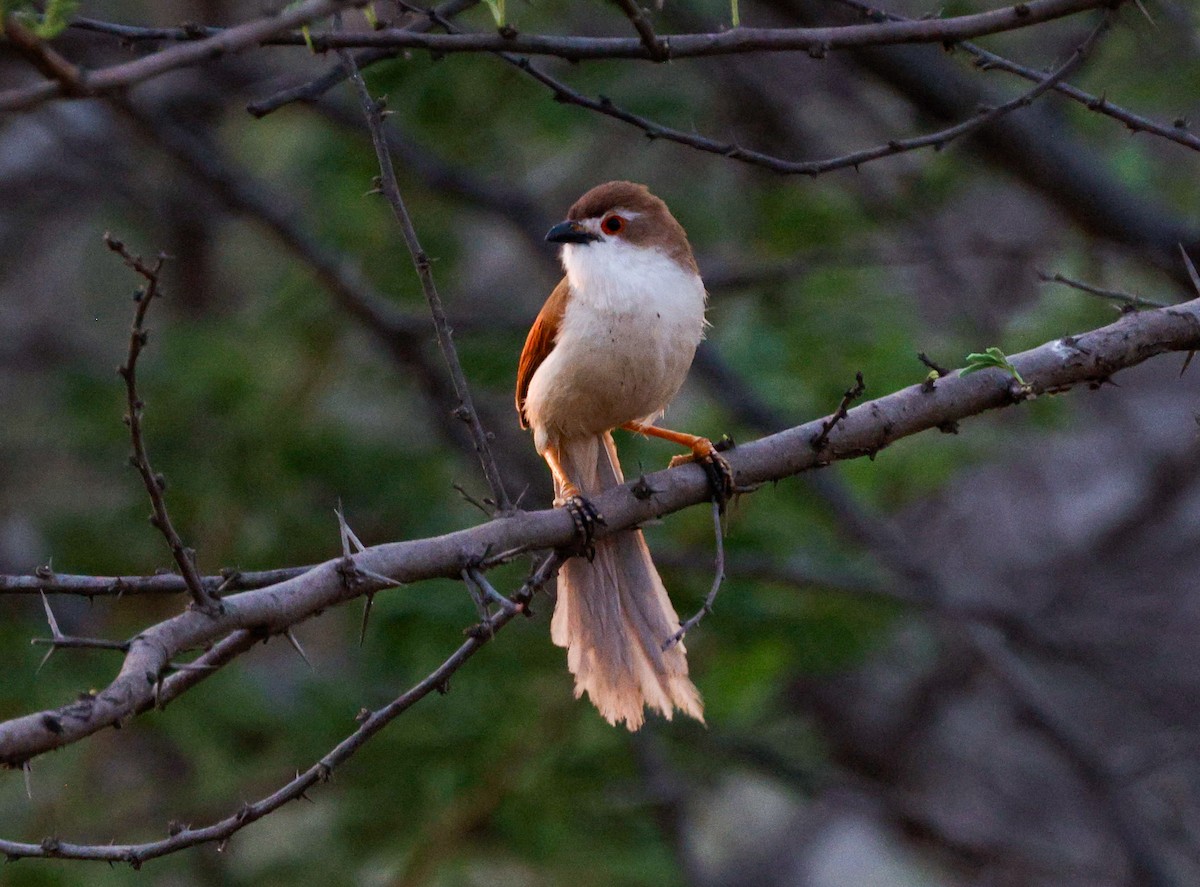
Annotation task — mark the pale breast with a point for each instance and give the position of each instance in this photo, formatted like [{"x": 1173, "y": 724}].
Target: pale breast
[{"x": 624, "y": 345}]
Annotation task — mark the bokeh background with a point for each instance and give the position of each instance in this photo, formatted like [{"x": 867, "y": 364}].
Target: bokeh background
[{"x": 970, "y": 661}]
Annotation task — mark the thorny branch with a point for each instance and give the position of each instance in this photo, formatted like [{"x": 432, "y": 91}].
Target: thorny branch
[
  {"x": 821, "y": 440},
  {"x": 740, "y": 40},
  {"x": 155, "y": 484},
  {"x": 936, "y": 140},
  {"x": 46, "y": 581},
  {"x": 312, "y": 90},
  {"x": 1176, "y": 131},
  {"x": 718, "y": 578},
  {"x": 1124, "y": 298},
  {"x": 866, "y": 429},
  {"x": 374, "y": 112},
  {"x": 817, "y": 41},
  {"x": 182, "y": 55},
  {"x": 370, "y": 723},
  {"x": 637, "y": 17},
  {"x": 253, "y": 615}
]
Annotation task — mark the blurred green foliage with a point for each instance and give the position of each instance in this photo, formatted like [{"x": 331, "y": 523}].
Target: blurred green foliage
[{"x": 265, "y": 413}]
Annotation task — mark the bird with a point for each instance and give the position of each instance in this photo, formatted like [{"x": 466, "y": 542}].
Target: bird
[{"x": 610, "y": 349}]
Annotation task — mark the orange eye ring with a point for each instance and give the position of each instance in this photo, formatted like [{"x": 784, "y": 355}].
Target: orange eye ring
[{"x": 613, "y": 224}]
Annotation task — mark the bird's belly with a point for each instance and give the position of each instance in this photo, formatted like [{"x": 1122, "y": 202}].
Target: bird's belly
[{"x": 610, "y": 371}]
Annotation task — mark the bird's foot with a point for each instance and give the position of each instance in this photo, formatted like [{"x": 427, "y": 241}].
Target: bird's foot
[
  {"x": 716, "y": 467},
  {"x": 586, "y": 518}
]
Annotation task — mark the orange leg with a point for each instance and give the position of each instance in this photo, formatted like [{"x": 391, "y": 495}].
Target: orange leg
[
  {"x": 720, "y": 475},
  {"x": 702, "y": 448},
  {"x": 569, "y": 490},
  {"x": 582, "y": 512}
]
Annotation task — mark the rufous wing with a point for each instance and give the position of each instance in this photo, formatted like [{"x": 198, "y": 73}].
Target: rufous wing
[{"x": 540, "y": 342}]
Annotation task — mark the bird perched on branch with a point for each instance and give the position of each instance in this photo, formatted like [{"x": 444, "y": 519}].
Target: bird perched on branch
[{"x": 610, "y": 348}]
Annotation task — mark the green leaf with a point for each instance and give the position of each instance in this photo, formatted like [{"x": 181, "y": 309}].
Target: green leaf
[
  {"x": 992, "y": 357},
  {"x": 48, "y": 24},
  {"x": 733, "y": 13},
  {"x": 497, "y": 8}
]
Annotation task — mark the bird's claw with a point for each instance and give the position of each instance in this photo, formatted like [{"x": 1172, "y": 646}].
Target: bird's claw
[
  {"x": 716, "y": 469},
  {"x": 586, "y": 518}
]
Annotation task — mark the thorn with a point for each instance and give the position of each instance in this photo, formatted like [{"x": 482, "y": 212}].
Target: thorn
[
  {"x": 296, "y": 646},
  {"x": 1187, "y": 260},
  {"x": 642, "y": 489},
  {"x": 362, "y": 632},
  {"x": 54, "y": 632},
  {"x": 348, "y": 537},
  {"x": 490, "y": 592},
  {"x": 45, "y": 659},
  {"x": 27, "y": 769},
  {"x": 477, "y": 597}
]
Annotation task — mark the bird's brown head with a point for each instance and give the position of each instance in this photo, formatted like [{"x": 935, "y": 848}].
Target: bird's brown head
[{"x": 624, "y": 212}]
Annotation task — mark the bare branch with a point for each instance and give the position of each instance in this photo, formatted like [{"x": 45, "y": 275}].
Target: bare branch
[
  {"x": 817, "y": 40},
  {"x": 314, "y": 89},
  {"x": 374, "y": 112},
  {"x": 52, "y": 65},
  {"x": 1130, "y": 299},
  {"x": 1177, "y": 131},
  {"x": 637, "y": 17},
  {"x": 370, "y": 723},
  {"x": 718, "y": 578},
  {"x": 226, "y": 42},
  {"x": 399, "y": 333},
  {"x": 740, "y": 40},
  {"x": 852, "y": 394},
  {"x": 937, "y": 140},
  {"x": 1088, "y": 358},
  {"x": 48, "y": 582},
  {"x": 202, "y": 597}
]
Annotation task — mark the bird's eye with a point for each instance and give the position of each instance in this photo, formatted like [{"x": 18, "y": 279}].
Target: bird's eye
[{"x": 613, "y": 224}]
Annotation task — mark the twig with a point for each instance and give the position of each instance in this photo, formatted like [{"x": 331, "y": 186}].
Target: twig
[
  {"x": 657, "y": 48},
  {"x": 312, "y": 90},
  {"x": 1176, "y": 131},
  {"x": 399, "y": 333},
  {"x": 320, "y": 772},
  {"x": 821, "y": 440},
  {"x": 936, "y": 140},
  {"x": 58, "y": 640},
  {"x": 1115, "y": 295},
  {"x": 977, "y": 628},
  {"x": 182, "y": 55},
  {"x": 718, "y": 578},
  {"x": 1098, "y": 354},
  {"x": 202, "y": 597},
  {"x": 374, "y": 112},
  {"x": 43, "y": 57},
  {"x": 932, "y": 364},
  {"x": 742, "y": 40},
  {"x": 161, "y": 583}
]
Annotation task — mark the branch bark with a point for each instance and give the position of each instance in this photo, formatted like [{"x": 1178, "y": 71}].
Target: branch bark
[
  {"x": 183, "y": 55},
  {"x": 816, "y": 41},
  {"x": 1089, "y": 358}
]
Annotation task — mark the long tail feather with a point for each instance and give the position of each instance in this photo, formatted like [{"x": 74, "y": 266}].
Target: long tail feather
[{"x": 613, "y": 614}]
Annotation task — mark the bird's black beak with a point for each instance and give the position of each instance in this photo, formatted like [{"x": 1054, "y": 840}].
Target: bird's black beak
[{"x": 570, "y": 232}]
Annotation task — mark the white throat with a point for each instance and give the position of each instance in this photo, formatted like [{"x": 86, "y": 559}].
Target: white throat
[{"x": 613, "y": 275}]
